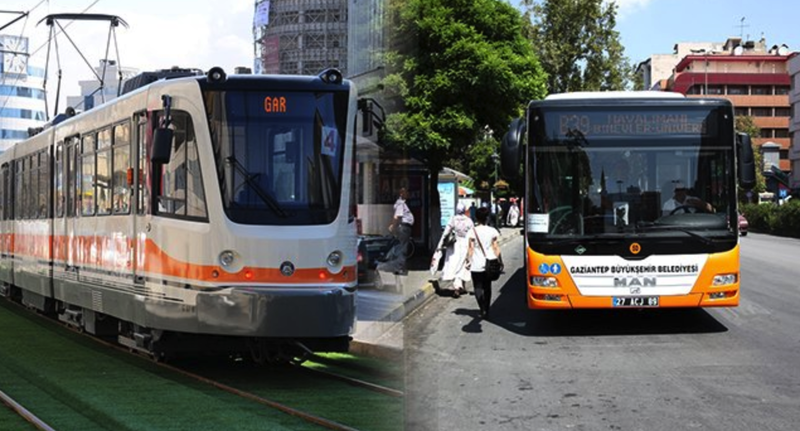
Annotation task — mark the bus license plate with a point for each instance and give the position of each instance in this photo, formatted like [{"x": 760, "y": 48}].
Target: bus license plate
[{"x": 635, "y": 301}]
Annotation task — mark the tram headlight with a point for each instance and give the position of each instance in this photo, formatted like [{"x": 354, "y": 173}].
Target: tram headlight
[
  {"x": 724, "y": 279},
  {"x": 335, "y": 259},
  {"x": 227, "y": 259}
]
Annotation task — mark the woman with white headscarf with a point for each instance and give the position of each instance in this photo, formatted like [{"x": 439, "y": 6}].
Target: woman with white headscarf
[{"x": 455, "y": 267}]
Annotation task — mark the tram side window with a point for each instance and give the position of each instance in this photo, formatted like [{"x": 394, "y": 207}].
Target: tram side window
[
  {"x": 19, "y": 166},
  {"x": 3, "y": 192},
  {"x": 103, "y": 175},
  {"x": 122, "y": 162},
  {"x": 59, "y": 180},
  {"x": 44, "y": 185},
  {"x": 87, "y": 175},
  {"x": 73, "y": 177},
  {"x": 32, "y": 177},
  {"x": 181, "y": 192}
]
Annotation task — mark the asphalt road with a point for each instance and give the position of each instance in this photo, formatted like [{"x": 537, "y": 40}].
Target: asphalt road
[{"x": 703, "y": 369}]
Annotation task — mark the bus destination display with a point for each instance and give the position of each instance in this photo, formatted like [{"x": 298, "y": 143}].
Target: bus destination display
[{"x": 601, "y": 124}]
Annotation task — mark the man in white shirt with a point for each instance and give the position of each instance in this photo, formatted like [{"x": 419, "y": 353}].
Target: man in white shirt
[{"x": 681, "y": 199}]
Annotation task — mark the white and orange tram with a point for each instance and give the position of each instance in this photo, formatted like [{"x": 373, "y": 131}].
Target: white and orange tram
[{"x": 207, "y": 212}]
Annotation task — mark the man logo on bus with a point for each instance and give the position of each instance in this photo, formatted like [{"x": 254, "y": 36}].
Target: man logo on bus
[
  {"x": 635, "y": 248},
  {"x": 634, "y": 282}
]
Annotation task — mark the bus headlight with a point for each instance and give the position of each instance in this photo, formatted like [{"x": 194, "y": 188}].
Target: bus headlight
[
  {"x": 724, "y": 279},
  {"x": 540, "y": 281}
]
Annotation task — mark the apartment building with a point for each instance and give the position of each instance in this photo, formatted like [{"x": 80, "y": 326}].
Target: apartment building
[
  {"x": 794, "y": 120},
  {"x": 752, "y": 76}
]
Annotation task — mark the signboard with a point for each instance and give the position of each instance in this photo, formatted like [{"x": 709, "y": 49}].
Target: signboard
[
  {"x": 577, "y": 124},
  {"x": 271, "y": 54},
  {"x": 447, "y": 200},
  {"x": 261, "y": 18}
]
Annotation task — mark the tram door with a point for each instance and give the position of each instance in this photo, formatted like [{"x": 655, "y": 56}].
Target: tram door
[
  {"x": 140, "y": 197},
  {"x": 67, "y": 217}
]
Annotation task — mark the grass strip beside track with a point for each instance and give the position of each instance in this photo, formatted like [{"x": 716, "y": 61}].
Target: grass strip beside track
[
  {"x": 73, "y": 383},
  {"x": 332, "y": 399}
]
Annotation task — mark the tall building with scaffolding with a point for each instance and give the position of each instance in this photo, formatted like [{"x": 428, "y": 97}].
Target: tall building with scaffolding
[
  {"x": 300, "y": 36},
  {"x": 22, "y": 96}
]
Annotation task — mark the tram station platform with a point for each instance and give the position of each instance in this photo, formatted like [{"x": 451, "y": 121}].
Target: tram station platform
[{"x": 380, "y": 312}]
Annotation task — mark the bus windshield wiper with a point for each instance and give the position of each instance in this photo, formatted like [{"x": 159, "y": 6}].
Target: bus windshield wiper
[
  {"x": 649, "y": 227},
  {"x": 248, "y": 178}
]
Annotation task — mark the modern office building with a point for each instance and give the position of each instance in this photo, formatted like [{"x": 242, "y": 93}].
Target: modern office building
[
  {"x": 93, "y": 94},
  {"x": 300, "y": 36},
  {"x": 22, "y": 97}
]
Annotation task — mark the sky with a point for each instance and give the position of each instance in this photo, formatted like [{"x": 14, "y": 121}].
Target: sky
[
  {"x": 161, "y": 34},
  {"x": 650, "y": 27},
  {"x": 206, "y": 33}
]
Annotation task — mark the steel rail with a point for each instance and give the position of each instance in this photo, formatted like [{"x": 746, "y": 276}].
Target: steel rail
[
  {"x": 356, "y": 382},
  {"x": 25, "y": 413}
]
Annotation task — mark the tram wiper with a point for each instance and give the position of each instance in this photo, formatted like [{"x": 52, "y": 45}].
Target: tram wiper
[{"x": 260, "y": 192}]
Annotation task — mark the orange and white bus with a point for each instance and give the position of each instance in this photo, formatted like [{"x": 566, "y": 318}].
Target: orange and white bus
[{"x": 631, "y": 199}]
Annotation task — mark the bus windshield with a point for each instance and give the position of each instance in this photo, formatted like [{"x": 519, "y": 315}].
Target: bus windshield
[
  {"x": 279, "y": 154},
  {"x": 622, "y": 172}
]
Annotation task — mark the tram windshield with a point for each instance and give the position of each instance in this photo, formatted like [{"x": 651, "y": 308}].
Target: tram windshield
[{"x": 279, "y": 154}]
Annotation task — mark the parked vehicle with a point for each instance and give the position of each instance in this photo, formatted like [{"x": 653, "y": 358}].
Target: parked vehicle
[{"x": 372, "y": 249}]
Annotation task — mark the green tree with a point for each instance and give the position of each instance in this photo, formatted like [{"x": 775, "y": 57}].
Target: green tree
[
  {"x": 578, "y": 45},
  {"x": 460, "y": 67},
  {"x": 744, "y": 123}
]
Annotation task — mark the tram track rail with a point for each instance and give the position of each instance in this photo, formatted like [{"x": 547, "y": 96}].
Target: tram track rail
[
  {"x": 24, "y": 413},
  {"x": 265, "y": 401}
]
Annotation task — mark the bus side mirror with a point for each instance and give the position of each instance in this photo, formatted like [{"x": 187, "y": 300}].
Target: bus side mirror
[
  {"x": 511, "y": 149},
  {"x": 747, "y": 163},
  {"x": 162, "y": 145}
]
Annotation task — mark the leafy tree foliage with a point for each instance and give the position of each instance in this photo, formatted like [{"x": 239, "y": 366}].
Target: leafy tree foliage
[
  {"x": 578, "y": 46},
  {"x": 744, "y": 123},
  {"x": 460, "y": 67}
]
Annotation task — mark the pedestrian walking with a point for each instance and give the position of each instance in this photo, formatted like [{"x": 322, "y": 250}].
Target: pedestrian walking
[
  {"x": 483, "y": 246},
  {"x": 513, "y": 214},
  {"x": 455, "y": 249}
]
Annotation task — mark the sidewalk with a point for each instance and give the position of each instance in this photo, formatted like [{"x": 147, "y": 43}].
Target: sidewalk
[{"x": 380, "y": 313}]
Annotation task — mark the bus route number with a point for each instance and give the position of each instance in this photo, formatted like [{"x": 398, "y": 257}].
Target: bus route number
[{"x": 570, "y": 123}]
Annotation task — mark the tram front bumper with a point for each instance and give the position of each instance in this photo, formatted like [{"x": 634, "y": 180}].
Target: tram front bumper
[{"x": 296, "y": 312}]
